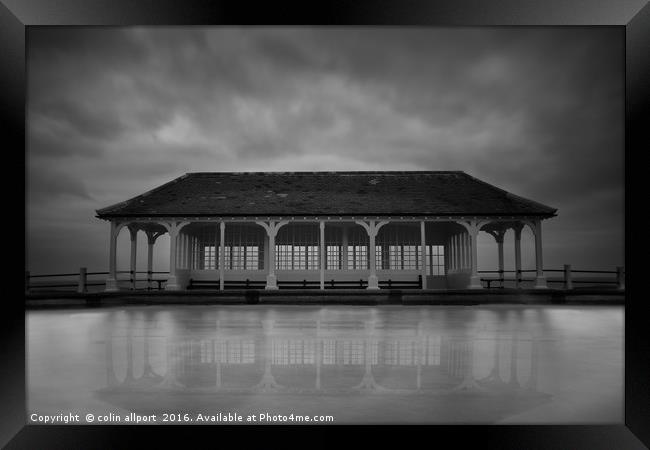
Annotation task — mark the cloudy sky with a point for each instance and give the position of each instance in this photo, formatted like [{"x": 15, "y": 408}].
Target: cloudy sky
[{"x": 114, "y": 112}]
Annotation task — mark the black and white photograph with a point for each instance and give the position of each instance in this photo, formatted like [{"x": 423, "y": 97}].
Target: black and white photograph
[{"x": 339, "y": 225}]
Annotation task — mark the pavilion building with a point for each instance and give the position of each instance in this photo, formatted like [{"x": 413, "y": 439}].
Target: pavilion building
[{"x": 326, "y": 227}]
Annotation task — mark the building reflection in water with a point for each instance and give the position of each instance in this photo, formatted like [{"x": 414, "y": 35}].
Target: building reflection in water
[{"x": 313, "y": 354}]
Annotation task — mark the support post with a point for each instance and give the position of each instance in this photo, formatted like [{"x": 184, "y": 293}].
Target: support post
[
  {"x": 222, "y": 253},
  {"x": 472, "y": 235},
  {"x": 620, "y": 278},
  {"x": 453, "y": 252},
  {"x": 344, "y": 248},
  {"x": 501, "y": 258},
  {"x": 467, "y": 261},
  {"x": 372, "y": 228},
  {"x": 271, "y": 279},
  {"x": 322, "y": 255},
  {"x": 423, "y": 254},
  {"x": 272, "y": 230},
  {"x": 184, "y": 250},
  {"x": 517, "y": 228},
  {"x": 134, "y": 250},
  {"x": 540, "y": 278},
  {"x": 180, "y": 251},
  {"x": 373, "y": 282},
  {"x": 111, "y": 281},
  {"x": 498, "y": 237},
  {"x": 172, "y": 281},
  {"x": 150, "y": 242},
  {"x": 568, "y": 280},
  {"x": 82, "y": 280}
]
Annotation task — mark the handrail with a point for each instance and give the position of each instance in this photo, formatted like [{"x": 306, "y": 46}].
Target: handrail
[
  {"x": 567, "y": 279},
  {"x": 549, "y": 270},
  {"x": 76, "y": 274},
  {"x": 166, "y": 272}
]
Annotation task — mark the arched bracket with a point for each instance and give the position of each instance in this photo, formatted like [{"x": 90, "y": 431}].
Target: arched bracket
[
  {"x": 272, "y": 227},
  {"x": 372, "y": 226}
]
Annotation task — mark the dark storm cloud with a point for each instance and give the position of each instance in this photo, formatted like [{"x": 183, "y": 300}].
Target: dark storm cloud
[
  {"x": 47, "y": 184},
  {"x": 537, "y": 111},
  {"x": 84, "y": 120}
]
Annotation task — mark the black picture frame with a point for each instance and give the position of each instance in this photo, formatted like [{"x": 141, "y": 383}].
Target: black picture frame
[{"x": 17, "y": 15}]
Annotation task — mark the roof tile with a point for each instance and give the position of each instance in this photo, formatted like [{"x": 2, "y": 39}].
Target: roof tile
[{"x": 322, "y": 193}]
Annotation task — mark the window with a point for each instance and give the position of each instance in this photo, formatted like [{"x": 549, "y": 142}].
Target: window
[
  {"x": 352, "y": 352},
  {"x": 329, "y": 351},
  {"x": 297, "y": 247},
  {"x": 400, "y": 353},
  {"x": 333, "y": 257},
  {"x": 206, "y": 351},
  {"x": 435, "y": 259},
  {"x": 333, "y": 247},
  {"x": 292, "y": 352},
  {"x": 357, "y": 248},
  {"x": 209, "y": 257},
  {"x": 398, "y": 247},
  {"x": 432, "y": 350},
  {"x": 244, "y": 247},
  {"x": 357, "y": 257},
  {"x": 202, "y": 244}
]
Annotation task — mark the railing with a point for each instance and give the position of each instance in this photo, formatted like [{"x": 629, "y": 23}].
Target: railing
[
  {"x": 567, "y": 280},
  {"x": 81, "y": 282}
]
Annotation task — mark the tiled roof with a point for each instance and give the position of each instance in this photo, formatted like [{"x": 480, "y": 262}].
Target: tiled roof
[{"x": 326, "y": 193}]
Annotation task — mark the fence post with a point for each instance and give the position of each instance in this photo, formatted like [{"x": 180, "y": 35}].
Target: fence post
[
  {"x": 620, "y": 278},
  {"x": 27, "y": 281},
  {"x": 82, "y": 280},
  {"x": 568, "y": 281}
]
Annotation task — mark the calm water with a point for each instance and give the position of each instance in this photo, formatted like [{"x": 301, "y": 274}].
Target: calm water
[{"x": 358, "y": 364}]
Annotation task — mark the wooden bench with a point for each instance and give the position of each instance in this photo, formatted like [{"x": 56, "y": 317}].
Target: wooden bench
[
  {"x": 332, "y": 284},
  {"x": 402, "y": 284},
  {"x": 227, "y": 284},
  {"x": 304, "y": 284},
  {"x": 492, "y": 280},
  {"x": 159, "y": 281},
  {"x": 489, "y": 282}
]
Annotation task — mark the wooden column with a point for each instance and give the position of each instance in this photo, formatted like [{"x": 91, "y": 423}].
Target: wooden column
[
  {"x": 150, "y": 243},
  {"x": 322, "y": 255},
  {"x": 423, "y": 254},
  {"x": 272, "y": 228},
  {"x": 134, "y": 251},
  {"x": 372, "y": 228},
  {"x": 472, "y": 241},
  {"x": 540, "y": 278},
  {"x": 517, "y": 230},
  {"x": 222, "y": 253},
  {"x": 344, "y": 248},
  {"x": 172, "y": 282},
  {"x": 111, "y": 281}
]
